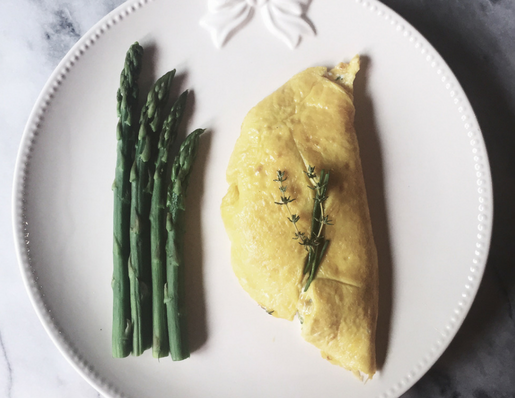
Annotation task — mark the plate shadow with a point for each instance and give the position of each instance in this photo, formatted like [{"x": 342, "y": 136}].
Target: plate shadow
[{"x": 373, "y": 171}]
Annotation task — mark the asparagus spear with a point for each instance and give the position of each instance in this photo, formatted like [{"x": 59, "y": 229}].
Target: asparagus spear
[
  {"x": 174, "y": 287},
  {"x": 158, "y": 225},
  {"x": 141, "y": 185},
  {"x": 127, "y": 100}
]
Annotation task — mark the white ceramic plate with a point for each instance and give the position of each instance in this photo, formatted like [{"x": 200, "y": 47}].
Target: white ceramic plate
[{"x": 425, "y": 167}]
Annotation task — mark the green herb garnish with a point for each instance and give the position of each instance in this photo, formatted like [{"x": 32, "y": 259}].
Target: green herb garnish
[{"x": 314, "y": 242}]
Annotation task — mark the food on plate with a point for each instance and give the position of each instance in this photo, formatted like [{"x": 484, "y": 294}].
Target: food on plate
[
  {"x": 157, "y": 218},
  {"x": 127, "y": 103},
  {"x": 149, "y": 218},
  {"x": 142, "y": 303},
  {"x": 306, "y": 126},
  {"x": 175, "y": 226}
]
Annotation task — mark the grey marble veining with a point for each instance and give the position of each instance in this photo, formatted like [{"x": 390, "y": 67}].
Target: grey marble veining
[
  {"x": 7, "y": 368},
  {"x": 475, "y": 37}
]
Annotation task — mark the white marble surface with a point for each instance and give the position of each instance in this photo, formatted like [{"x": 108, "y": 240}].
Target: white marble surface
[{"x": 36, "y": 34}]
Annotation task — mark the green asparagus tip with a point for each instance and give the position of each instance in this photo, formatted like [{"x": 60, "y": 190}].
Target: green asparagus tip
[{"x": 164, "y": 82}]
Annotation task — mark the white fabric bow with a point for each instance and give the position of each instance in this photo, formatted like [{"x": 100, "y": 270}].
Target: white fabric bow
[{"x": 284, "y": 18}]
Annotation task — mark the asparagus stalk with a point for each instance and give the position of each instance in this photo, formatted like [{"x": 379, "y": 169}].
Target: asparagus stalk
[
  {"x": 141, "y": 184},
  {"x": 127, "y": 101},
  {"x": 158, "y": 225},
  {"x": 174, "y": 287}
]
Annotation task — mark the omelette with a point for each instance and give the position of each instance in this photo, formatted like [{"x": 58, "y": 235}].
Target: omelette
[{"x": 309, "y": 121}]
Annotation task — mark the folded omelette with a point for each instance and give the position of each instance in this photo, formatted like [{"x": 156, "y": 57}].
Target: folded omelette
[{"x": 309, "y": 121}]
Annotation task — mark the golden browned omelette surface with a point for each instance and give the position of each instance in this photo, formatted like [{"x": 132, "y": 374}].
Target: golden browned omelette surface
[{"x": 308, "y": 121}]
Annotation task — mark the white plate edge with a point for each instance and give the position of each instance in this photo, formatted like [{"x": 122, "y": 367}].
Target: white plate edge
[
  {"x": 18, "y": 219},
  {"x": 470, "y": 123}
]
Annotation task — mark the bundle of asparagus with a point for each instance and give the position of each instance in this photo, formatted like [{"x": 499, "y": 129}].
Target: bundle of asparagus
[
  {"x": 148, "y": 231},
  {"x": 141, "y": 194},
  {"x": 158, "y": 226}
]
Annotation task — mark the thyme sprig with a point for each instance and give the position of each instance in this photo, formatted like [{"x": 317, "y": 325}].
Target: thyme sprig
[
  {"x": 285, "y": 200},
  {"x": 314, "y": 242}
]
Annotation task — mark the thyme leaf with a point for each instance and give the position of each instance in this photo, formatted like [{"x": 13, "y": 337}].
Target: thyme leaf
[{"x": 314, "y": 242}]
